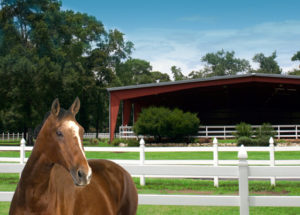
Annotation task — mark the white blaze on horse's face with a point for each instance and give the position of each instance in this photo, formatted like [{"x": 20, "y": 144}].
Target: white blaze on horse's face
[
  {"x": 80, "y": 176},
  {"x": 75, "y": 130}
]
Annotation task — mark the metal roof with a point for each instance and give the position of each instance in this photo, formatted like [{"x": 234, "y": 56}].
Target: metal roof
[{"x": 215, "y": 78}]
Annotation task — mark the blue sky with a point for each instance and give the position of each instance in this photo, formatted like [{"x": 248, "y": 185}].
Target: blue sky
[{"x": 173, "y": 32}]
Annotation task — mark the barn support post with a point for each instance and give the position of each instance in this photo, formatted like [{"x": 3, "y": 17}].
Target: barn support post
[
  {"x": 243, "y": 181},
  {"x": 216, "y": 160},
  {"x": 126, "y": 112},
  {"x": 137, "y": 110},
  {"x": 114, "y": 104},
  {"x": 272, "y": 159}
]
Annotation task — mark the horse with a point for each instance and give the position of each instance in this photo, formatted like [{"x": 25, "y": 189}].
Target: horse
[{"x": 58, "y": 179}]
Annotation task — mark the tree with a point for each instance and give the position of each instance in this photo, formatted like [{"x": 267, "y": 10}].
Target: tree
[
  {"x": 45, "y": 53},
  {"x": 267, "y": 64},
  {"x": 137, "y": 71},
  {"x": 160, "y": 77},
  {"x": 296, "y": 56},
  {"x": 224, "y": 63},
  {"x": 134, "y": 71},
  {"x": 177, "y": 74}
]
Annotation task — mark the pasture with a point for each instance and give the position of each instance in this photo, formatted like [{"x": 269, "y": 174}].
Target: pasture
[
  {"x": 187, "y": 186},
  {"x": 191, "y": 186}
]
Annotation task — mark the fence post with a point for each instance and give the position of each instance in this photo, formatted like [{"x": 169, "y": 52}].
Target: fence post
[
  {"x": 278, "y": 132},
  {"x": 243, "y": 181},
  {"x": 216, "y": 160},
  {"x": 272, "y": 158},
  {"x": 142, "y": 160},
  {"x": 22, "y": 151},
  {"x": 296, "y": 131}
]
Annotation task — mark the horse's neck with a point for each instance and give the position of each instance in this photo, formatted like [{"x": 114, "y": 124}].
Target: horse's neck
[{"x": 35, "y": 175}]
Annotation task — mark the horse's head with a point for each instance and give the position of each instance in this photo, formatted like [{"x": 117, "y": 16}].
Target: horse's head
[{"x": 62, "y": 142}]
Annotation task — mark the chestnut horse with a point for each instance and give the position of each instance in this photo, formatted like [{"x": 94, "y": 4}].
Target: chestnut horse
[{"x": 57, "y": 179}]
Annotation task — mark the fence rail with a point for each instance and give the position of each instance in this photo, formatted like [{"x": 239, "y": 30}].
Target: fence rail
[
  {"x": 243, "y": 171},
  {"x": 227, "y": 131},
  {"x": 215, "y": 149}
]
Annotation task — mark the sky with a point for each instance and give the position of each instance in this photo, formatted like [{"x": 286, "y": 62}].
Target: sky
[{"x": 181, "y": 32}]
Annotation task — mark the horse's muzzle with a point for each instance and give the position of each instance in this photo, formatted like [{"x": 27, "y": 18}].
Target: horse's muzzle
[{"x": 81, "y": 177}]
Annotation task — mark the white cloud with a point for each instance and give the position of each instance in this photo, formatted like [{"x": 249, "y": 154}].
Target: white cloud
[{"x": 184, "y": 48}]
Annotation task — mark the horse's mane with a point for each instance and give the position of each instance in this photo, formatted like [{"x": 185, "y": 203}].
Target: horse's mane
[{"x": 37, "y": 129}]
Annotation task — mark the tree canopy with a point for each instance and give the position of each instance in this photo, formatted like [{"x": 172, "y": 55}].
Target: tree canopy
[
  {"x": 46, "y": 52},
  {"x": 224, "y": 63},
  {"x": 267, "y": 64}
]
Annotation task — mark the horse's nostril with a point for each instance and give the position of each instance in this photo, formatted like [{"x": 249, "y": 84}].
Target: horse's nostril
[{"x": 80, "y": 174}]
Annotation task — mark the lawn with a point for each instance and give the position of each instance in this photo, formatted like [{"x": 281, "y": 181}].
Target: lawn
[
  {"x": 191, "y": 186},
  {"x": 176, "y": 155},
  {"x": 187, "y": 186}
]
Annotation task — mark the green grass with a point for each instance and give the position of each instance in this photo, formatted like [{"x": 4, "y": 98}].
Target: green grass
[
  {"x": 191, "y": 186},
  {"x": 176, "y": 155},
  {"x": 187, "y": 186},
  {"x": 194, "y": 210}
]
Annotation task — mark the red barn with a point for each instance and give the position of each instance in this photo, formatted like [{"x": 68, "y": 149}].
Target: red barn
[{"x": 226, "y": 100}]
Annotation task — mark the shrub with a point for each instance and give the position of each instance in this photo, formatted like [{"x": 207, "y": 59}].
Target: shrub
[
  {"x": 261, "y": 141},
  {"x": 246, "y": 141},
  {"x": 243, "y": 130},
  {"x": 129, "y": 142},
  {"x": 265, "y": 130},
  {"x": 93, "y": 141},
  {"x": 162, "y": 122}
]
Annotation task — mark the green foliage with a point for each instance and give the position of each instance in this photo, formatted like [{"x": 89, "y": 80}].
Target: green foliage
[
  {"x": 162, "y": 122},
  {"x": 246, "y": 141},
  {"x": 262, "y": 134},
  {"x": 136, "y": 71},
  {"x": 46, "y": 52},
  {"x": 243, "y": 130},
  {"x": 265, "y": 130},
  {"x": 267, "y": 64},
  {"x": 177, "y": 74},
  {"x": 129, "y": 142},
  {"x": 224, "y": 63},
  {"x": 296, "y": 56}
]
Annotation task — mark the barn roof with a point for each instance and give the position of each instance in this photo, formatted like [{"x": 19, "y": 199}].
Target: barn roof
[{"x": 215, "y": 78}]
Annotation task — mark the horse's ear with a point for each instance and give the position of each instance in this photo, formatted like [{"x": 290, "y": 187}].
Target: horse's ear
[
  {"x": 55, "y": 108},
  {"x": 75, "y": 106}
]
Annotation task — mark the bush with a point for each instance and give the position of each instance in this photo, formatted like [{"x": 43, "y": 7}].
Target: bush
[
  {"x": 262, "y": 135},
  {"x": 129, "y": 142},
  {"x": 243, "y": 130},
  {"x": 246, "y": 141},
  {"x": 162, "y": 122},
  {"x": 266, "y": 130},
  {"x": 93, "y": 141},
  {"x": 262, "y": 141}
]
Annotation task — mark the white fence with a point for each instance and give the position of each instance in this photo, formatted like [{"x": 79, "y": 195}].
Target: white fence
[
  {"x": 243, "y": 171},
  {"x": 282, "y": 131},
  {"x": 215, "y": 149},
  {"x": 5, "y": 136}
]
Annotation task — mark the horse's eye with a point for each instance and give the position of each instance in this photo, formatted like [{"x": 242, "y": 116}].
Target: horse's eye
[{"x": 59, "y": 133}]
